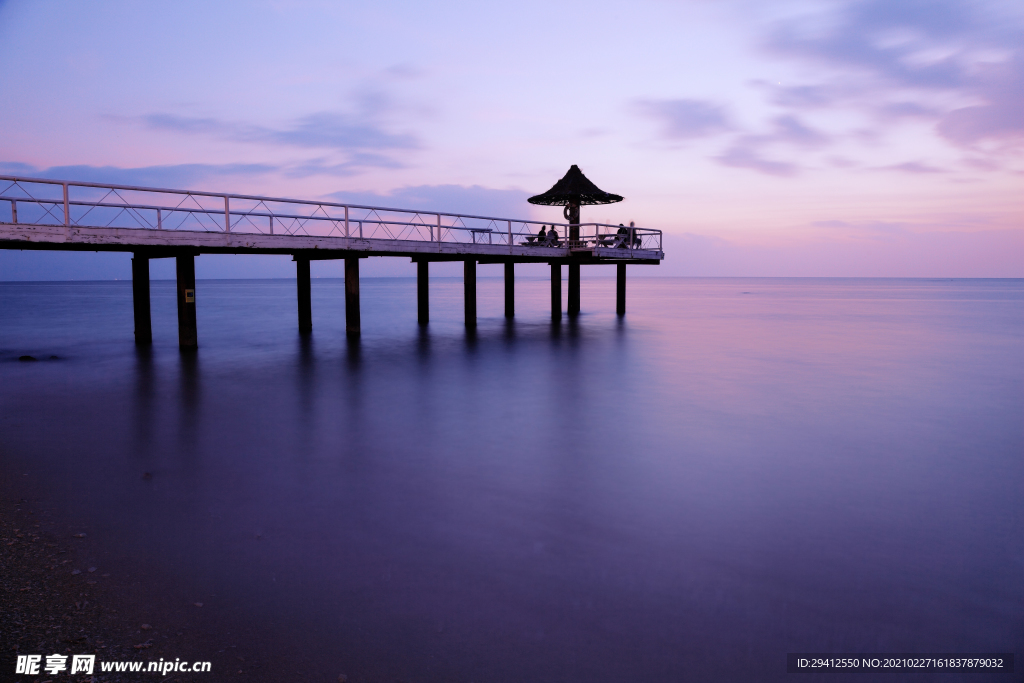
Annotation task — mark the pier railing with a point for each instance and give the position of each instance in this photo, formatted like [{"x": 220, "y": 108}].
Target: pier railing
[{"x": 35, "y": 201}]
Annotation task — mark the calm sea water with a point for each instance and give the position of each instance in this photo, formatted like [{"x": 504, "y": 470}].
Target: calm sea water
[{"x": 739, "y": 469}]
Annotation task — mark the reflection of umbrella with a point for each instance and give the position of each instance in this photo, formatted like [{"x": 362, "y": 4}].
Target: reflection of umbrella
[{"x": 573, "y": 190}]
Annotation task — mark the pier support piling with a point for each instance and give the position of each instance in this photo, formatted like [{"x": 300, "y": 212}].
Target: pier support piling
[
  {"x": 352, "y": 325},
  {"x": 469, "y": 285},
  {"x": 140, "y": 299},
  {"x": 556, "y": 291},
  {"x": 185, "y": 270},
  {"x": 423, "y": 292},
  {"x": 620, "y": 288},
  {"x": 510, "y": 289},
  {"x": 574, "y": 289},
  {"x": 304, "y": 295}
]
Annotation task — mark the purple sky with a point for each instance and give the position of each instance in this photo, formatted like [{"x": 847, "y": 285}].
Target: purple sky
[{"x": 848, "y": 138}]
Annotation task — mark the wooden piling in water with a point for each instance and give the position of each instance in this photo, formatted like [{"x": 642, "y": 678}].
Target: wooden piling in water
[
  {"x": 304, "y": 295},
  {"x": 140, "y": 300},
  {"x": 620, "y": 288},
  {"x": 469, "y": 287},
  {"x": 423, "y": 292},
  {"x": 352, "y": 324},
  {"x": 510, "y": 289},
  {"x": 556, "y": 291},
  {"x": 185, "y": 270},
  {"x": 574, "y": 289}
]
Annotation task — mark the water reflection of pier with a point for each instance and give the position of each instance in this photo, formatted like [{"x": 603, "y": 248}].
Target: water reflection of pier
[{"x": 181, "y": 224}]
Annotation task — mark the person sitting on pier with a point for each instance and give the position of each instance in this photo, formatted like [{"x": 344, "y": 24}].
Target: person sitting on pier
[
  {"x": 621, "y": 236},
  {"x": 635, "y": 235},
  {"x": 538, "y": 239},
  {"x": 552, "y": 237}
]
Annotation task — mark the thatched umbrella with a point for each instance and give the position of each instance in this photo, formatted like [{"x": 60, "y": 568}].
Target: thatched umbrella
[{"x": 572, "y": 191}]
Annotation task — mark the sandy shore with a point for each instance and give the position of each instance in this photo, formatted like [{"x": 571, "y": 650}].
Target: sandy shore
[{"x": 56, "y": 598}]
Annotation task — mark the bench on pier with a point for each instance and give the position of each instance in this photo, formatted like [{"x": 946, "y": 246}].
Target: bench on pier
[
  {"x": 618, "y": 240},
  {"x": 536, "y": 241},
  {"x": 481, "y": 231}
]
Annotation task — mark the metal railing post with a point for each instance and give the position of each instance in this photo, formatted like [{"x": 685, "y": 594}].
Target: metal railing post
[
  {"x": 271, "y": 224},
  {"x": 159, "y": 220},
  {"x": 67, "y": 209},
  {"x": 510, "y": 237},
  {"x": 14, "y": 211},
  {"x": 346, "y": 221},
  {"x": 227, "y": 215}
]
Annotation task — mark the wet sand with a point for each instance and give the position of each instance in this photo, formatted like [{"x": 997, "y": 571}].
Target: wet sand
[{"x": 53, "y": 604}]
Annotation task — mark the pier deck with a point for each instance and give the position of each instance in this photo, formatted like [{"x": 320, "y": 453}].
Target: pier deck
[
  {"x": 157, "y": 223},
  {"x": 46, "y": 214}
]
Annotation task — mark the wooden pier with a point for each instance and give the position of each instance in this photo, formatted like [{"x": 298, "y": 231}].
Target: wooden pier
[{"x": 181, "y": 224}]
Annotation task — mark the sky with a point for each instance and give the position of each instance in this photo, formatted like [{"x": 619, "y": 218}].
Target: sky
[{"x": 792, "y": 138}]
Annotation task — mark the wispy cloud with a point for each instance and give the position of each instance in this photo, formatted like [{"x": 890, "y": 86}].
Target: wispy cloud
[
  {"x": 405, "y": 72},
  {"x": 850, "y": 92},
  {"x": 982, "y": 164},
  {"x": 1002, "y": 116},
  {"x": 175, "y": 176},
  {"x": 882, "y": 50},
  {"x": 800, "y": 96},
  {"x": 897, "y": 110},
  {"x": 355, "y": 141},
  {"x": 472, "y": 200},
  {"x": 921, "y": 43},
  {"x": 191, "y": 176},
  {"x": 749, "y": 157},
  {"x": 791, "y": 130},
  {"x": 785, "y": 133},
  {"x": 353, "y": 165},
  {"x": 870, "y": 227},
  {"x": 685, "y": 118},
  {"x": 956, "y": 65},
  {"x": 912, "y": 167},
  {"x": 324, "y": 130}
]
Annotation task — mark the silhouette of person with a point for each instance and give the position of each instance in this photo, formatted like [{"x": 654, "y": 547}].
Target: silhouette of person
[
  {"x": 552, "y": 236},
  {"x": 636, "y": 236}
]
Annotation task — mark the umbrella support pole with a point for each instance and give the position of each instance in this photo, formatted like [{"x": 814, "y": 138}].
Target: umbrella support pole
[
  {"x": 620, "y": 289},
  {"x": 574, "y": 290},
  {"x": 556, "y": 291}
]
